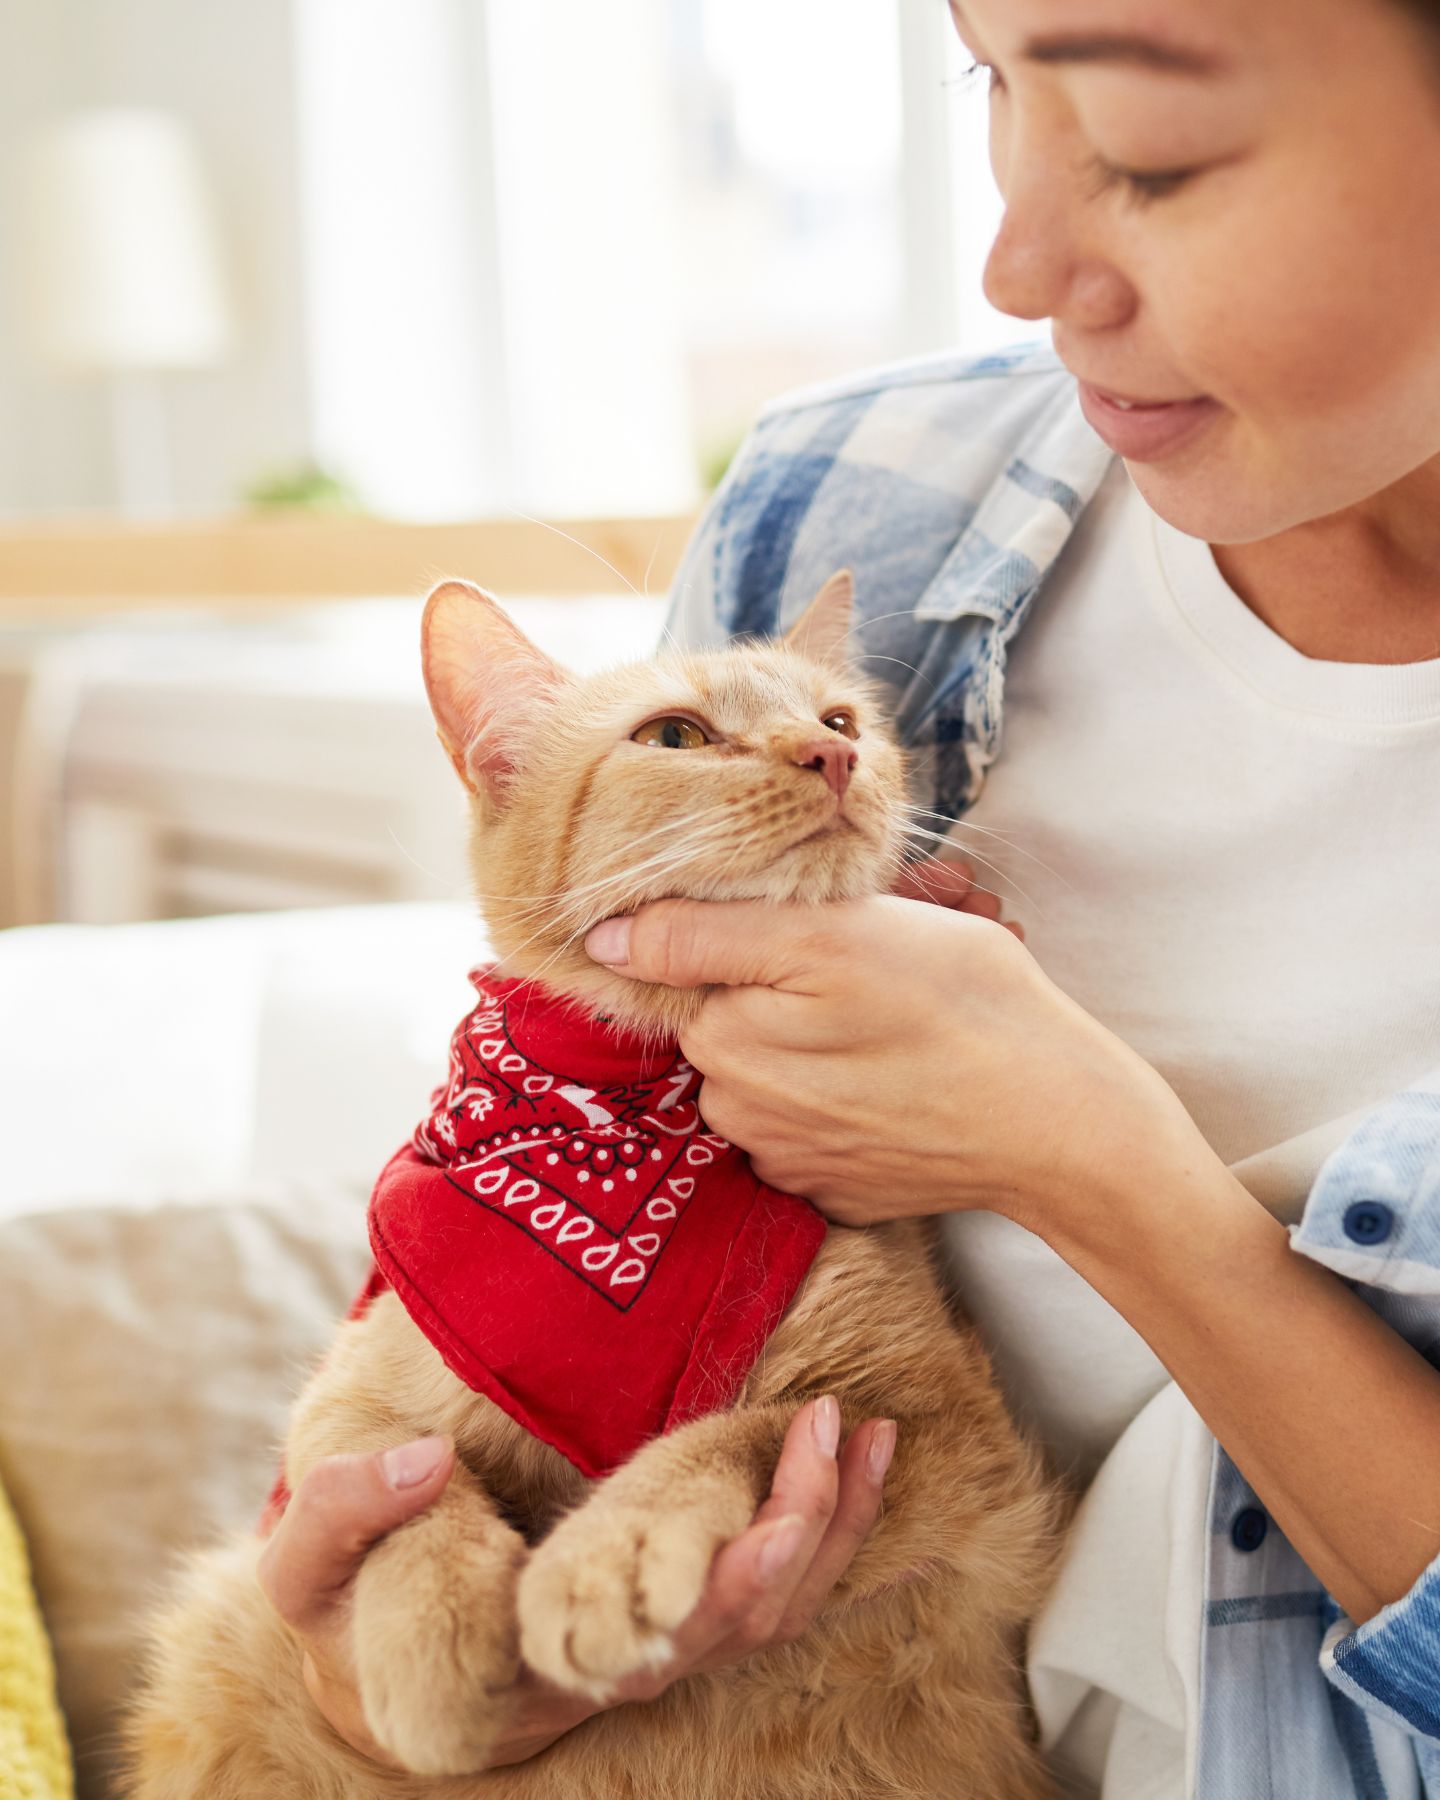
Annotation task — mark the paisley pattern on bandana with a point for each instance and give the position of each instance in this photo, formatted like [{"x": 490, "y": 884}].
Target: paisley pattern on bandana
[
  {"x": 572, "y": 1240},
  {"x": 598, "y": 1178}
]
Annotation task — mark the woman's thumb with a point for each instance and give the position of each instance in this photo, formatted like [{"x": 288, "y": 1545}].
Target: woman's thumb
[
  {"x": 344, "y": 1505},
  {"x": 696, "y": 943}
]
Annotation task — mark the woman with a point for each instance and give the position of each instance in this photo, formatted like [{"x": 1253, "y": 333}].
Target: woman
[{"x": 1226, "y": 690}]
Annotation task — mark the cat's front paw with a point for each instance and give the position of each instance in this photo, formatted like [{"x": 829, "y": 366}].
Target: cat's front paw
[
  {"x": 437, "y": 1652},
  {"x": 602, "y": 1595}
]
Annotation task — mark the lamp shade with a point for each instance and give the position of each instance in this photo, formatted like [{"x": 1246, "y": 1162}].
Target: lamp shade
[{"x": 122, "y": 264}]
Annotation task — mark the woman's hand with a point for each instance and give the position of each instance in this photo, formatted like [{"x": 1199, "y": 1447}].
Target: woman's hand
[
  {"x": 889, "y": 1059},
  {"x": 952, "y": 884},
  {"x": 764, "y": 1588}
]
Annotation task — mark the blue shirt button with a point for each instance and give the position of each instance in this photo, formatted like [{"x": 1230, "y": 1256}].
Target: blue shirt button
[
  {"x": 1249, "y": 1528},
  {"x": 1368, "y": 1222}
]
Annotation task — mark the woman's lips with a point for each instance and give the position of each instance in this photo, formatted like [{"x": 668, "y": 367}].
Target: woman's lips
[{"x": 1145, "y": 431}]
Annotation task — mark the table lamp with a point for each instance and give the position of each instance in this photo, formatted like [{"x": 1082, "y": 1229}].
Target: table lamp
[{"x": 123, "y": 274}]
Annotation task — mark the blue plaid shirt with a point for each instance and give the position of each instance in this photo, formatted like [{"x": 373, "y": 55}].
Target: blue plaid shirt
[{"x": 950, "y": 485}]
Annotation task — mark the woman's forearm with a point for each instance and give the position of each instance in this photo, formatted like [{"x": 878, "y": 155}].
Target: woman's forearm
[{"x": 1331, "y": 1416}]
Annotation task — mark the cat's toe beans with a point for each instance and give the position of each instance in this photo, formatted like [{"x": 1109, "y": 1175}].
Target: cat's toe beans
[
  {"x": 602, "y": 1653},
  {"x": 671, "y": 1565},
  {"x": 600, "y": 1600},
  {"x": 553, "y": 1600}
]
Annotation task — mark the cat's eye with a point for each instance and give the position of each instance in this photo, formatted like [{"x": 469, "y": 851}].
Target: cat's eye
[
  {"x": 671, "y": 733},
  {"x": 843, "y": 722}
]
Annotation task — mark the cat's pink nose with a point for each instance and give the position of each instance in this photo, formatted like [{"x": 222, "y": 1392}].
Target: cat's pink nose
[{"x": 833, "y": 758}]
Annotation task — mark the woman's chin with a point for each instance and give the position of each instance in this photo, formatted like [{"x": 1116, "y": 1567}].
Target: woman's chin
[{"x": 1230, "y": 499}]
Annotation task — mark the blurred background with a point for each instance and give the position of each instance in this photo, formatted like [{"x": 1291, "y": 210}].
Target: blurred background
[{"x": 308, "y": 302}]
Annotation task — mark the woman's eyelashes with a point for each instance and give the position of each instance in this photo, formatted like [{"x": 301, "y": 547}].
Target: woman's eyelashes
[
  {"x": 1138, "y": 186},
  {"x": 970, "y": 77}
]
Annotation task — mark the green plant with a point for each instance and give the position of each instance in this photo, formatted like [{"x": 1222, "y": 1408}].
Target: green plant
[{"x": 303, "y": 487}]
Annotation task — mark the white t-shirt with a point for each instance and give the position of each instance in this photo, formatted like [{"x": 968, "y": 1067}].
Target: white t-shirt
[{"x": 1224, "y": 851}]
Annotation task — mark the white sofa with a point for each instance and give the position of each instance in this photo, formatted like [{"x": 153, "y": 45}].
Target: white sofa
[{"x": 191, "y": 1113}]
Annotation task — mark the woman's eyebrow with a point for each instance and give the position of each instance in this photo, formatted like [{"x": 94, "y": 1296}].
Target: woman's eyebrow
[
  {"x": 1131, "y": 47},
  {"x": 1124, "y": 47}
]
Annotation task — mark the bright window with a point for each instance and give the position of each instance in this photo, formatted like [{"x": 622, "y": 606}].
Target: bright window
[{"x": 559, "y": 253}]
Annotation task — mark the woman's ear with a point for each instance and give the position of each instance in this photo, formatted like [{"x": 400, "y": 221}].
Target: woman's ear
[
  {"x": 486, "y": 681},
  {"x": 822, "y": 632}
]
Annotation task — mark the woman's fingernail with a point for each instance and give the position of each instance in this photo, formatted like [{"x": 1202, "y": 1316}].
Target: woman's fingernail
[
  {"x": 882, "y": 1448},
  {"x": 609, "y": 943},
  {"x": 410, "y": 1464},
  {"x": 825, "y": 1423},
  {"x": 779, "y": 1548}
]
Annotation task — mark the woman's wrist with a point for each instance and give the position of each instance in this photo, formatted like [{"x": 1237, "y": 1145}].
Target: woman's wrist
[
  {"x": 1169, "y": 1217},
  {"x": 1135, "y": 1167},
  {"x": 1107, "y": 1135}
]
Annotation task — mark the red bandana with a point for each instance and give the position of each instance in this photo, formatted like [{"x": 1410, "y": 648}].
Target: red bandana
[{"x": 573, "y": 1241}]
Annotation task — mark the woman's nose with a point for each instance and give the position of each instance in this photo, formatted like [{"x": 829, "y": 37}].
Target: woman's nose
[
  {"x": 1039, "y": 267},
  {"x": 832, "y": 757}
]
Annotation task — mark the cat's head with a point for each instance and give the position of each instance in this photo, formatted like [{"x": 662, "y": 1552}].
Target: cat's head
[{"x": 760, "y": 771}]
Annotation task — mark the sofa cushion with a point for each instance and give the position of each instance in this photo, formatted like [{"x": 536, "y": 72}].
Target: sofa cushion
[{"x": 150, "y": 1355}]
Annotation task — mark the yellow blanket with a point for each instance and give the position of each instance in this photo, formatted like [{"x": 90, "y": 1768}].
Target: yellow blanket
[{"x": 34, "y": 1757}]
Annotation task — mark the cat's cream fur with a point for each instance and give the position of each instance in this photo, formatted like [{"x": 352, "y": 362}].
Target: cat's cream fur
[{"x": 908, "y": 1683}]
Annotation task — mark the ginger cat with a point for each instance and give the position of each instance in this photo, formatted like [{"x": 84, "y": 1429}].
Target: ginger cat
[{"x": 759, "y": 771}]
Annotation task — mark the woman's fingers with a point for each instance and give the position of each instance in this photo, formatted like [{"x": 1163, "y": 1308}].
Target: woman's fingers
[
  {"x": 863, "y": 1464},
  {"x": 952, "y": 885},
  {"x": 800, "y": 1584},
  {"x": 982, "y": 902},
  {"x": 754, "y": 1574},
  {"x": 342, "y": 1507},
  {"x": 940, "y": 883},
  {"x": 804, "y": 1536}
]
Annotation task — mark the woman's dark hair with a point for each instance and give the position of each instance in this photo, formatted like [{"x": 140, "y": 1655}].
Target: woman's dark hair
[
  {"x": 1425, "y": 14},
  {"x": 1426, "y": 11}
]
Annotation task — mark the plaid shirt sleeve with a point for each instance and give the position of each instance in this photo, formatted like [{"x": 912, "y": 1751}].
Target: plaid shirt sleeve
[{"x": 1374, "y": 1218}]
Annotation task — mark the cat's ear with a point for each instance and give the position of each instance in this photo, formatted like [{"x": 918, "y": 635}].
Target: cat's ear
[
  {"x": 486, "y": 683},
  {"x": 822, "y": 632}
]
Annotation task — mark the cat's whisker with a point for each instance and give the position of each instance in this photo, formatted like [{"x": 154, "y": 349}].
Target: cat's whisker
[
  {"x": 943, "y": 838},
  {"x": 542, "y": 969},
  {"x": 989, "y": 831},
  {"x": 927, "y": 812},
  {"x": 556, "y": 894},
  {"x": 589, "y": 549},
  {"x": 923, "y": 832},
  {"x": 875, "y": 656},
  {"x": 582, "y": 916},
  {"x": 450, "y": 884},
  {"x": 631, "y": 869},
  {"x": 904, "y": 612},
  {"x": 668, "y": 639},
  {"x": 931, "y": 890},
  {"x": 654, "y": 552}
]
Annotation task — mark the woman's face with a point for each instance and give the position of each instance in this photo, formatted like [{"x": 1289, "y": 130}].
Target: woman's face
[{"x": 1287, "y": 267}]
